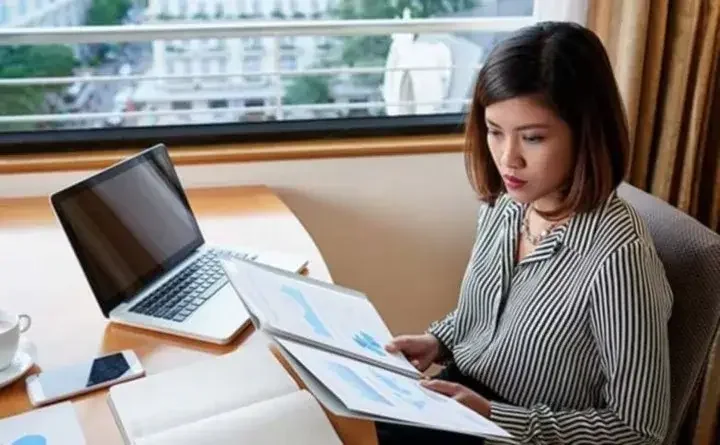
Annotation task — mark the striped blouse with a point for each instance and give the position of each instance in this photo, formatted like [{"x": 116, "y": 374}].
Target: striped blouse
[{"x": 574, "y": 335}]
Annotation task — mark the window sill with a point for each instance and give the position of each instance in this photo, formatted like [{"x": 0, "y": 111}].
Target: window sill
[{"x": 229, "y": 153}]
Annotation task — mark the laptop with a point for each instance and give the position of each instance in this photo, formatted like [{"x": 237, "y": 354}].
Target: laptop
[{"x": 140, "y": 247}]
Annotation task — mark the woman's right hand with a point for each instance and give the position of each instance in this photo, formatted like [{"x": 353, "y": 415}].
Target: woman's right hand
[{"x": 422, "y": 350}]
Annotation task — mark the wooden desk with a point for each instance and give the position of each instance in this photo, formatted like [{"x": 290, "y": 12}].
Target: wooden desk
[{"x": 39, "y": 275}]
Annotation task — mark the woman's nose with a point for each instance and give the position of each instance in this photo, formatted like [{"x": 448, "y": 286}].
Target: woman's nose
[{"x": 512, "y": 156}]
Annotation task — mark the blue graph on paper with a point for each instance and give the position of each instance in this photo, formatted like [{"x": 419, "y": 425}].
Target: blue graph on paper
[
  {"x": 311, "y": 317},
  {"x": 400, "y": 391},
  {"x": 30, "y": 440},
  {"x": 368, "y": 342},
  {"x": 365, "y": 390}
]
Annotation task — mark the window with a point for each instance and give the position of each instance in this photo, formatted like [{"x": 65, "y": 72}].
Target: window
[
  {"x": 216, "y": 44},
  {"x": 287, "y": 42},
  {"x": 339, "y": 76},
  {"x": 253, "y": 42},
  {"x": 257, "y": 115},
  {"x": 252, "y": 64},
  {"x": 288, "y": 63},
  {"x": 181, "y": 105},
  {"x": 176, "y": 45},
  {"x": 218, "y": 104}
]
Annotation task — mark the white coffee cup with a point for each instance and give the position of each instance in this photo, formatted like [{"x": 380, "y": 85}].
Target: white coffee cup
[{"x": 11, "y": 326}]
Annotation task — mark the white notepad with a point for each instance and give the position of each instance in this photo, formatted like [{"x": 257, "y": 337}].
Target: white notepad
[{"x": 242, "y": 397}]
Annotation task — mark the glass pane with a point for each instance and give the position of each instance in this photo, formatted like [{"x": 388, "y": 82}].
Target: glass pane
[{"x": 255, "y": 78}]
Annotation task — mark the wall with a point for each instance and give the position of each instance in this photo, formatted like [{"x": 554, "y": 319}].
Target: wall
[{"x": 399, "y": 228}]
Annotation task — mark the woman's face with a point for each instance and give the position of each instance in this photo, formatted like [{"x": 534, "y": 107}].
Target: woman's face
[{"x": 532, "y": 149}]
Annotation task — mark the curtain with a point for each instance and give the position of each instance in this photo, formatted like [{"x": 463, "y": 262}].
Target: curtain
[{"x": 665, "y": 55}]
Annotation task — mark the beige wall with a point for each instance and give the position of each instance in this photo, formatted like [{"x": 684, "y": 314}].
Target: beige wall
[{"x": 396, "y": 227}]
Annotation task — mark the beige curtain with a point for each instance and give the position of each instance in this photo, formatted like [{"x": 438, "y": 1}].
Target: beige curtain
[{"x": 665, "y": 54}]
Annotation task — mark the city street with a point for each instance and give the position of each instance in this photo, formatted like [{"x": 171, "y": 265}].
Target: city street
[{"x": 137, "y": 57}]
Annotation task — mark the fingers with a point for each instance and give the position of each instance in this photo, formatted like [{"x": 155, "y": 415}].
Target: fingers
[
  {"x": 422, "y": 364},
  {"x": 399, "y": 343},
  {"x": 443, "y": 387}
]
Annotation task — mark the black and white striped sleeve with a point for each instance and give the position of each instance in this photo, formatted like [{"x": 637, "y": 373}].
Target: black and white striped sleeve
[
  {"x": 444, "y": 330},
  {"x": 629, "y": 307}
]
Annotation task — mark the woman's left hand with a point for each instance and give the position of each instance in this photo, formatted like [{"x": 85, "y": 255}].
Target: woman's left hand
[{"x": 461, "y": 393}]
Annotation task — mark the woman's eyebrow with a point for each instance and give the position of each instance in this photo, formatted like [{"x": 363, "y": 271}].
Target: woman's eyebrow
[
  {"x": 520, "y": 127},
  {"x": 535, "y": 125}
]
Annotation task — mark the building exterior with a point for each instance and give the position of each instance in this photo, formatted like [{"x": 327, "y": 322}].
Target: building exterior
[
  {"x": 54, "y": 13},
  {"x": 47, "y": 13},
  {"x": 234, "y": 88}
]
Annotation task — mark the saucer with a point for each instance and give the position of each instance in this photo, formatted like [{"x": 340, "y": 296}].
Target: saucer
[{"x": 24, "y": 360}]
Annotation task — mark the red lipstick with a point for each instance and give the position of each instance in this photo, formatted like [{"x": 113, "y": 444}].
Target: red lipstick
[{"x": 513, "y": 183}]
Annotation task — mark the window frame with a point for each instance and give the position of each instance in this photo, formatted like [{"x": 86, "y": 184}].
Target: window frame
[{"x": 178, "y": 136}]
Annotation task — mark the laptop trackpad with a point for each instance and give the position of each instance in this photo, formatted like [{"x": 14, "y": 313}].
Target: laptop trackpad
[{"x": 222, "y": 315}]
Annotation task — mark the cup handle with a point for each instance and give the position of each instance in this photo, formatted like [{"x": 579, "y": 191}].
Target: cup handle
[{"x": 25, "y": 322}]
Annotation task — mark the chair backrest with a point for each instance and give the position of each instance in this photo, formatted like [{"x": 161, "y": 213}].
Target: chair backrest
[{"x": 691, "y": 255}]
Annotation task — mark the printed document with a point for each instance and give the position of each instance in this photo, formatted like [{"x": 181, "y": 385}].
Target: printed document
[
  {"x": 313, "y": 312},
  {"x": 367, "y": 389}
]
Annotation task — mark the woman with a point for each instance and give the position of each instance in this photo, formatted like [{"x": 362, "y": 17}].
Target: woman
[{"x": 560, "y": 332}]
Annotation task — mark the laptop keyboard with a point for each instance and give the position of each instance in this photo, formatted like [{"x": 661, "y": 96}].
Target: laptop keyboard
[{"x": 182, "y": 295}]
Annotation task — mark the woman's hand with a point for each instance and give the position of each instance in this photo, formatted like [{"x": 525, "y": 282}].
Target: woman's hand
[
  {"x": 421, "y": 350},
  {"x": 462, "y": 394}
]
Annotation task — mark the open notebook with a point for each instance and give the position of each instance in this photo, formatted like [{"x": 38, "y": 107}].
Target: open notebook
[
  {"x": 242, "y": 397},
  {"x": 334, "y": 339}
]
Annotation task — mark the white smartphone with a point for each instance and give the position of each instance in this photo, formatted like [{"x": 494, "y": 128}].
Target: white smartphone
[{"x": 68, "y": 381}]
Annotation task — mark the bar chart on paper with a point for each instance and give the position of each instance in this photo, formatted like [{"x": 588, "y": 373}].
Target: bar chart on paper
[
  {"x": 367, "y": 341},
  {"x": 324, "y": 315},
  {"x": 365, "y": 388},
  {"x": 357, "y": 328},
  {"x": 309, "y": 314},
  {"x": 412, "y": 396}
]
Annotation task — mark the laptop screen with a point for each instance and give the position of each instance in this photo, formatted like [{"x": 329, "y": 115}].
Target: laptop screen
[{"x": 128, "y": 224}]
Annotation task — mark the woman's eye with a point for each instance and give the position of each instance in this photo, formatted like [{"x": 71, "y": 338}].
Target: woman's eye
[
  {"x": 493, "y": 132},
  {"x": 534, "y": 139}
]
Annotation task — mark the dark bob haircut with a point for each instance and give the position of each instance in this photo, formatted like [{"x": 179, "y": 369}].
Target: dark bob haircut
[{"x": 566, "y": 67}]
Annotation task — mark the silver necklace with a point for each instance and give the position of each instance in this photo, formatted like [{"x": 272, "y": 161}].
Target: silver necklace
[{"x": 535, "y": 239}]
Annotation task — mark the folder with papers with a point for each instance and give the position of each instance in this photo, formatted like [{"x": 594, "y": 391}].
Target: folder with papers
[{"x": 334, "y": 338}]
